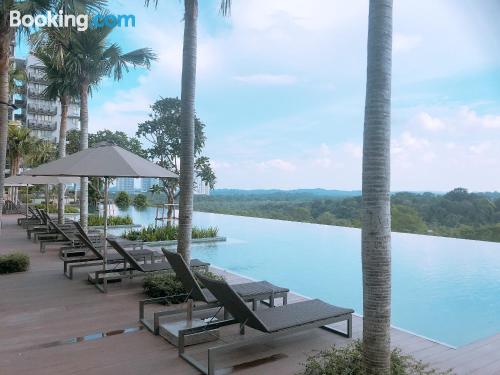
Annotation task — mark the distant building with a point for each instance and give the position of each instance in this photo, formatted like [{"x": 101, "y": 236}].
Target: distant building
[
  {"x": 147, "y": 183},
  {"x": 125, "y": 184},
  {"x": 201, "y": 188},
  {"x": 40, "y": 115}
]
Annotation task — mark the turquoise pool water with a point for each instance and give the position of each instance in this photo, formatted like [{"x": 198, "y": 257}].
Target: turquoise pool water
[{"x": 444, "y": 289}]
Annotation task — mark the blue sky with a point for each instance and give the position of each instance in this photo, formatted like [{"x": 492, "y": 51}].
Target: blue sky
[{"x": 281, "y": 90}]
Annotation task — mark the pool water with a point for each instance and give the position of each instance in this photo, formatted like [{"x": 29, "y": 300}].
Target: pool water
[{"x": 445, "y": 289}]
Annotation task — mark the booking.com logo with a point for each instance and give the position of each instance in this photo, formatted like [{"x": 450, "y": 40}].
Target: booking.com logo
[{"x": 81, "y": 21}]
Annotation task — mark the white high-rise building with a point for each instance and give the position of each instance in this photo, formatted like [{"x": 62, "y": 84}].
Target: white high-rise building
[
  {"x": 42, "y": 116},
  {"x": 125, "y": 184}
]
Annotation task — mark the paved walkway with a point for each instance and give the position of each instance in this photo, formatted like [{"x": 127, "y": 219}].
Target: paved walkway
[{"x": 52, "y": 325}]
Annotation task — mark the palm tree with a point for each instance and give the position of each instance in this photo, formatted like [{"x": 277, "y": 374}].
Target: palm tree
[
  {"x": 17, "y": 78},
  {"x": 62, "y": 86},
  {"x": 188, "y": 88},
  {"x": 89, "y": 58},
  {"x": 7, "y": 34},
  {"x": 376, "y": 227},
  {"x": 20, "y": 144}
]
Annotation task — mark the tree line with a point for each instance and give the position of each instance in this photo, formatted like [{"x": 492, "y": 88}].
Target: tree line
[{"x": 458, "y": 213}]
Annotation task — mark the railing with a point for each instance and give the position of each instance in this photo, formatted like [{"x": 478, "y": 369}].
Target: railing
[
  {"x": 42, "y": 125},
  {"x": 37, "y": 78},
  {"x": 43, "y": 110},
  {"x": 35, "y": 94}
]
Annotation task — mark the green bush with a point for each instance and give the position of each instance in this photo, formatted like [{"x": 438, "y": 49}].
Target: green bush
[
  {"x": 122, "y": 199},
  {"x": 162, "y": 284},
  {"x": 95, "y": 220},
  {"x": 140, "y": 201},
  {"x": 53, "y": 208},
  {"x": 167, "y": 233},
  {"x": 14, "y": 262},
  {"x": 348, "y": 360}
]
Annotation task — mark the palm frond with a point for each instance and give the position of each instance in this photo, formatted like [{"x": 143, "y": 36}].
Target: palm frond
[{"x": 225, "y": 7}]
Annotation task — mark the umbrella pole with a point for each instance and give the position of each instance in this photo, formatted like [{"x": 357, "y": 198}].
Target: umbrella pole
[
  {"x": 47, "y": 198},
  {"x": 104, "y": 281},
  {"x": 27, "y": 200}
]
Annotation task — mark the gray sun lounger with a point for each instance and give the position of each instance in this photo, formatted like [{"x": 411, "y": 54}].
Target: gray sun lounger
[
  {"x": 59, "y": 236},
  {"x": 250, "y": 292},
  {"x": 132, "y": 268},
  {"x": 31, "y": 217},
  {"x": 279, "y": 321},
  {"x": 95, "y": 258}
]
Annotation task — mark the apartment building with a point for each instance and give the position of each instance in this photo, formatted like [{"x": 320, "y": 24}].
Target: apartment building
[{"x": 37, "y": 113}]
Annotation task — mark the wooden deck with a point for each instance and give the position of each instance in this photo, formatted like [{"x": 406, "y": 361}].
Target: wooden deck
[{"x": 49, "y": 324}]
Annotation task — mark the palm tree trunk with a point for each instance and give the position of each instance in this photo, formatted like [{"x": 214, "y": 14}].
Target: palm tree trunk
[
  {"x": 376, "y": 228},
  {"x": 186, "y": 179},
  {"x": 84, "y": 144},
  {"x": 62, "y": 154},
  {"x": 4, "y": 110}
]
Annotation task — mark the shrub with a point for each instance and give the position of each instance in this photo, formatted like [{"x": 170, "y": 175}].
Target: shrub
[
  {"x": 122, "y": 199},
  {"x": 14, "y": 262},
  {"x": 348, "y": 360},
  {"x": 162, "y": 284},
  {"x": 53, "y": 208},
  {"x": 95, "y": 220},
  {"x": 167, "y": 233},
  {"x": 140, "y": 201}
]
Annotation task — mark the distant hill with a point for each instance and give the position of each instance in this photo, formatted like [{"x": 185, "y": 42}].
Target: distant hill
[{"x": 296, "y": 193}]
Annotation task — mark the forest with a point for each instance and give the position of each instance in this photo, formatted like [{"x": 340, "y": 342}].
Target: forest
[{"x": 458, "y": 213}]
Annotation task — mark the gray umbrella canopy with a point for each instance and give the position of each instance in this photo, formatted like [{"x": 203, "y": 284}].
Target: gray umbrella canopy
[
  {"x": 22, "y": 180},
  {"x": 105, "y": 160},
  {"x": 102, "y": 161}
]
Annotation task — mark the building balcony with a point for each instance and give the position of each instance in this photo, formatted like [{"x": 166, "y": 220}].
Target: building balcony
[
  {"x": 20, "y": 116},
  {"x": 42, "y": 125},
  {"x": 35, "y": 94},
  {"x": 42, "y": 110},
  {"x": 37, "y": 79}
]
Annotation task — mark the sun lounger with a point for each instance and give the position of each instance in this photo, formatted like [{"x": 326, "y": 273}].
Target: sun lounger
[
  {"x": 93, "y": 257},
  {"x": 279, "y": 321},
  {"x": 59, "y": 235},
  {"x": 29, "y": 217},
  {"x": 132, "y": 268},
  {"x": 249, "y": 292}
]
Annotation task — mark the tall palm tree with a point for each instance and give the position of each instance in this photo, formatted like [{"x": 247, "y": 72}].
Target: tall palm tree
[
  {"x": 62, "y": 86},
  {"x": 376, "y": 227},
  {"x": 7, "y": 34},
  {"x": 89, "y": 58},
  {"x": 188, "y": 89}
]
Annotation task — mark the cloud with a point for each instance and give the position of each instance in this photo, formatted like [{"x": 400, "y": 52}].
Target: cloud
[
  {"x": 267, "y": 79},
  {"x": 279, "y": 164},
  {"x": 430, "y": 123},
  {"x": 471, "y": 118}
]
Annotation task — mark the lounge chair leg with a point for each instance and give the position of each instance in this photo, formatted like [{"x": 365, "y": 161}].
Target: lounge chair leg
[
  {"x": 254, "y": 305},
  {"x": 349, "y": 327},
  {"x": 285, "y": 299},
  {"x": 189, "y": 308},
  {"x": 271, "y": 301},
  {"x": 242, "y": 328},
  {"x": 211, "y": 362}
]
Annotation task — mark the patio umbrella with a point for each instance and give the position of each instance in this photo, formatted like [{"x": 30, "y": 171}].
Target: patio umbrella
[
  {"x": 105, "y": 160},
  {"x": 26, "y": 180}
]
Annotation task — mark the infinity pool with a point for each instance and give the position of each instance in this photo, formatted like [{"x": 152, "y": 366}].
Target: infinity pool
[{"x": 445, "y": 289}]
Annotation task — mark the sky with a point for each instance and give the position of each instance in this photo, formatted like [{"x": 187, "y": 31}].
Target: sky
[{"x": 281, "y": 88}]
